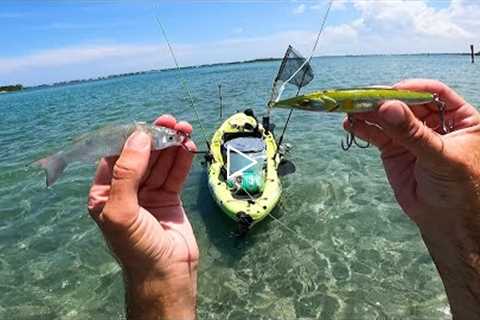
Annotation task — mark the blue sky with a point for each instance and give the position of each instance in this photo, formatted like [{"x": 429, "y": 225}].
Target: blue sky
[{"x": 52, "y": 41}]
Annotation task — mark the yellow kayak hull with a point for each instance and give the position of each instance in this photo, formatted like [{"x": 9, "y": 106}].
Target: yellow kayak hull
[{"x": 232, "y": 206}]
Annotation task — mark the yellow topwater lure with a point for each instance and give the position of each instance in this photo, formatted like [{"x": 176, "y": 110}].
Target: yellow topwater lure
[{"x": 355, "y": 100}]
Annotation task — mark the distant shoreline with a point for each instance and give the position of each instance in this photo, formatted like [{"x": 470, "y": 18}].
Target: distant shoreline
[
  {"x": 11, "y": 88},
  {"x": 260, "y": 60}
]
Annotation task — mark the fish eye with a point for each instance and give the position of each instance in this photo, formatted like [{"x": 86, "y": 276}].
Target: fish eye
[{"x": 170, "y": 138}]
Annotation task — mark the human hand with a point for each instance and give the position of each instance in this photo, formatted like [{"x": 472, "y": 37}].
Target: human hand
[
  {"x": 436, "y": 181},
  {"x": 135, "y": 200},
  {"x": 425, "y": 169}
]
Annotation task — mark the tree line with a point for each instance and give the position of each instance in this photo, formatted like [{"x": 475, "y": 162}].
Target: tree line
[{"x": 15, "y": 87}]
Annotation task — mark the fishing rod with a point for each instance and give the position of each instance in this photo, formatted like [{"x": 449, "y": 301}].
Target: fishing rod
[
  {"x": 183, "y": 82},
  {"x": 282, "y": 88},
  {"x": 322, "y": 27},
  {"x": 280, "y": 140}
]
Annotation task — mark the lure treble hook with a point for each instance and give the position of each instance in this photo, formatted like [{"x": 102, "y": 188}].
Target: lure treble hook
[
  {"x": 351, "y": 139},
  {"x": 442, "y": 107}
]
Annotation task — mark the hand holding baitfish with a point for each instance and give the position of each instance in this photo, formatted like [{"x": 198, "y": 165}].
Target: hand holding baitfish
[{"x": 105, "y": 142}]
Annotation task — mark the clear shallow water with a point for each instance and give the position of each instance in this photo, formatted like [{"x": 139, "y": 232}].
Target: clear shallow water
[{"x": 354, "y": 254}]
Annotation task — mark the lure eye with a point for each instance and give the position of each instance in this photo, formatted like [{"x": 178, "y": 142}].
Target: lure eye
[{"x": 304, "y": 102}]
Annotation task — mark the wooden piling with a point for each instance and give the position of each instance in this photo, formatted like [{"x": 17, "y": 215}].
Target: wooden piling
[{"x": 472, "y": 53}]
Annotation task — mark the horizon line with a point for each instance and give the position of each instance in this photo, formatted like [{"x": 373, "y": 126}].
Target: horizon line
[{"x": 207, "y": 65}]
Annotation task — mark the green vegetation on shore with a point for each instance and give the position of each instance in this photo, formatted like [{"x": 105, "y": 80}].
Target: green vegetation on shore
[
  {"x": 17, "y": 87},
  {"x": 64, "y": 83},
  {"x": 260, "y": 60}
]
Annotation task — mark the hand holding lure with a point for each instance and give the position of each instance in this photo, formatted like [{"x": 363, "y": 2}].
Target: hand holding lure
[
  {"x": 105, "y": 142},
  {"x": 357, "y": 100}
]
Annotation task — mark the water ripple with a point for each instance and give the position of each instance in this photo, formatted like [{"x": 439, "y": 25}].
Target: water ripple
[{"x": 352, "y": 253}]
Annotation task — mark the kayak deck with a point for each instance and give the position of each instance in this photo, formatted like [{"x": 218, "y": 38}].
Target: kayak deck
[{"x": 253, "y": 207}]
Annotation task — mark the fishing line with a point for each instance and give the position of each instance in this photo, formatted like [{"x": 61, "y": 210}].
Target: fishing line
[
  {"x": 183, "y": 82},
  {"x": 324, "y": 22},
  {"x": 293, "y": 231},
  {"x": 288, "y": 120}
]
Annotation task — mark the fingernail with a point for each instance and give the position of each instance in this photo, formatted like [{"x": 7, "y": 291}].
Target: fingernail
[
  {"x": 166, "y": 120},
  {"x": 393, "y": 114},
  {"x": 139, "y": 140},
  {"x": 183, "y": 126}
]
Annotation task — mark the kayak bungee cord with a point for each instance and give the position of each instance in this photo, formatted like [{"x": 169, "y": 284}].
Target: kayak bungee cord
[{"x": 183, "y": 82}]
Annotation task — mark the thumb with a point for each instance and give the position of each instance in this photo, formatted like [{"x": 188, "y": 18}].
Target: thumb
[
  {"x": 401, "y": 125},
  {"x": 122, "y": 206}
]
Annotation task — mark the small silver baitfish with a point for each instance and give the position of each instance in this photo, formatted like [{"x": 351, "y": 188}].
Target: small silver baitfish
[
  {"x": 105, "y": 142},
  {"x": 353, "y": 100}
]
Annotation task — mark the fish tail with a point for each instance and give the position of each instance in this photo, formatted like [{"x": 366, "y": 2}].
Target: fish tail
[{"x": 53, "y": 166}]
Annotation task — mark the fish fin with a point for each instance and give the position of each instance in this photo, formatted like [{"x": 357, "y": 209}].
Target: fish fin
[{"x": 54, "y": 166}]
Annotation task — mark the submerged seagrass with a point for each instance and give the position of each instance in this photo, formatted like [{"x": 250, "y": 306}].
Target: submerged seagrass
[
  {"x": 105, "y": 142},
  {"x": 55, "y": 265},
  {"x": 353, "y": 100}
]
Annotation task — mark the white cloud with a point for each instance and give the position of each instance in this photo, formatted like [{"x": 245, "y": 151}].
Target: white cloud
[
  {"x": 299, "y": 9},
  {"x": 73, "y": 55},
  {"x": 339, "y": 4},
  {"x": 410, "y": 17},
  {"x": 466, "y": 13},
  {"x": 99, "y": 60},
  {"x": 379, "y": 27},
  {"x": 322, "y": 5},
  {"x": 403, "y": 26},
  {"x": 86, "y": 62},
  {"x": 343, "y": 31}
]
